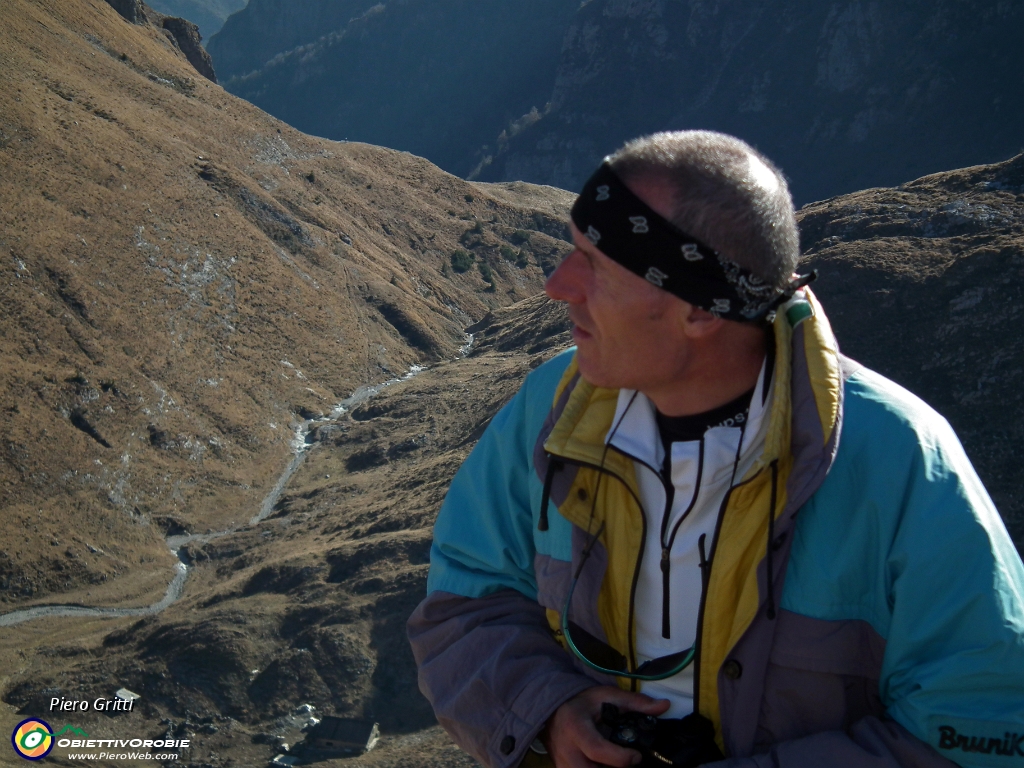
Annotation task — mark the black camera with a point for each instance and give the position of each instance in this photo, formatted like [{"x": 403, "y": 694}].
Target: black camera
[
  {"x": 684, "y": 743},
  {"x": 627, "y": 729}
]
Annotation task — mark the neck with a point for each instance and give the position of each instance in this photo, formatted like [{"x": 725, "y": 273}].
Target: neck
[{"x": 718, "y": 373}]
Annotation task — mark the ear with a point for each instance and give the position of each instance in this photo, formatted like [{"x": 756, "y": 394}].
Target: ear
[{"x": 699, "y": 323}]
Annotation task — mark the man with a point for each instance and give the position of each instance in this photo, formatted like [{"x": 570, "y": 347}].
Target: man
[{"x": 705, "y": 513}]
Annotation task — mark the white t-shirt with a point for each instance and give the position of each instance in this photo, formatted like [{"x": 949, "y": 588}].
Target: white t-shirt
[{"x": 637, "y": 435}]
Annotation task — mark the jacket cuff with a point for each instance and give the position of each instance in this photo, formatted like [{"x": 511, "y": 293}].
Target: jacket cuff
[{"x": 529, "y": 713}]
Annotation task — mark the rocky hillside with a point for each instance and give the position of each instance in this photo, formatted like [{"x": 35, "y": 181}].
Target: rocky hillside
[
  {"x": 925, "y": 283},
  {"x": 186, "y": 280},
  {"x": 308, "y": 606},
  {"x": 844, "y": 95}
]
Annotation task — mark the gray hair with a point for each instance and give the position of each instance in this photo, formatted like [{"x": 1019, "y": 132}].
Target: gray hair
[{"x": 725, "y": 193}]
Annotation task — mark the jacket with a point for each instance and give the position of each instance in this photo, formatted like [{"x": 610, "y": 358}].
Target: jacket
[{"x": 863, "y": 603}]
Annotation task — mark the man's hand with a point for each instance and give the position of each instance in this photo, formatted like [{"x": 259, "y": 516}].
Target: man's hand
[{"x": 572, "y": 738}]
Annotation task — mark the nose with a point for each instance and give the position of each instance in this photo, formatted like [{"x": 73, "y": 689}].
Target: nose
[{"x": 565, "y": 283}]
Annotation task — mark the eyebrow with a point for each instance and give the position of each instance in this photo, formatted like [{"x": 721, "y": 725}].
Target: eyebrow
[{"x": 587, "y": 251}]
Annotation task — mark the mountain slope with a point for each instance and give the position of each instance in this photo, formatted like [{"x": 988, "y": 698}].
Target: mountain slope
[
  {"x": 923, "y": 282},
  {"x": 184, "y": 280}
]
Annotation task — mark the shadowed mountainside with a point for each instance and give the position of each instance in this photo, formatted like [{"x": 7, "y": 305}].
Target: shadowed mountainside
[
  {"x": 438, "y": 78},
  {"x": 266, "y": 28},
  {"x": 843, "y": 95}
]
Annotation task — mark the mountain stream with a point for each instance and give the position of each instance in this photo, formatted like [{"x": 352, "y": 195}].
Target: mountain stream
[{"x": 299, "y": 445}]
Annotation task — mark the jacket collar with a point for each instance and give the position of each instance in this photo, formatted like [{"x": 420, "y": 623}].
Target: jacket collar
[{"x": 803, "y": 419}]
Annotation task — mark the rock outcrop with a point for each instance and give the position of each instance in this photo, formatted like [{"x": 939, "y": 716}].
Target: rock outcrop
[
  {"x": 183, "y": 34},
  {"x": 186, "y": 35},
  {"x": 133, "y": 11},
  {"x": 208, "y": 15}
]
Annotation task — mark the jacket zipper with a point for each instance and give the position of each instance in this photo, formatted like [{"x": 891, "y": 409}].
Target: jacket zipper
[
  {"x": 666, "y": 546},
  {"x": 666, "y": 561}
]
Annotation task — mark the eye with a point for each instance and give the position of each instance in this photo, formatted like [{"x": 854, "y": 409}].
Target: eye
[{"x": 588, "y": 257}]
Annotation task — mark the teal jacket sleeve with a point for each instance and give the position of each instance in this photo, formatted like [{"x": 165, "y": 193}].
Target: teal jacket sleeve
[
  {"x": 483, "y": 537},
  {"x": 953, "y": 672},
  {"x": 487, "y": 661},
  {"x": 923, "y": 557}
]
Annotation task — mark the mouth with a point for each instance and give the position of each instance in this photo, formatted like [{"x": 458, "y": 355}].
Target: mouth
[{"x": 579, "y": 334}]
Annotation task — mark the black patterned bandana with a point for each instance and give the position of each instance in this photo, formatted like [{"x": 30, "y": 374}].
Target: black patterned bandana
[{"x": 625, "y": 229}]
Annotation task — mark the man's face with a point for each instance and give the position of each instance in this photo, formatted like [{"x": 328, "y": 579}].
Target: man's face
[{"x": 628, "y": 333}]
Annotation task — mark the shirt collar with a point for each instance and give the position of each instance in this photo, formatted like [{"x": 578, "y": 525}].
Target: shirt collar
[{"x": 634, "y": 429}]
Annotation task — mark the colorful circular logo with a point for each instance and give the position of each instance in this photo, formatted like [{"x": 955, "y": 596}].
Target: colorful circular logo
[{"x": 32, "y": 739}]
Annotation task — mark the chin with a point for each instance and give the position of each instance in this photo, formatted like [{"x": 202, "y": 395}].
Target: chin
[{"x": 592, "y": 373}]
